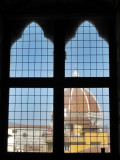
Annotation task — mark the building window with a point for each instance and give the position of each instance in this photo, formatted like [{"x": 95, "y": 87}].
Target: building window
[
  {"x": 87, "y": 109},
  {"x": 91, "y": 124},
  {"x": 59, "y": 95},
  {"x": 67, "y": 148},
  {"x": 30, "y": 116},
  {"x": 88, "y": 51},
  {"x": 32, "y": 54},
  {"x": 31, "y": 109}
]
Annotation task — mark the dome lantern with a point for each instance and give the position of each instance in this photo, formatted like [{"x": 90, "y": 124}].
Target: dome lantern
[{"x": 75, "y": 73}]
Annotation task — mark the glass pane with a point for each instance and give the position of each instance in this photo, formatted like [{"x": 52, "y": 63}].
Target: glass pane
[
  {"x": 30, "y": 123},
  {"x": 86, "y": 120},
  {"x": 88, "y": 51},
  {"x": 32, "y": 54}
]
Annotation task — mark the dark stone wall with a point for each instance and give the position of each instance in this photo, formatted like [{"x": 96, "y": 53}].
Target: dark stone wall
[
  {"x": 15, "y": 15},
  {"x": 118, "y": 66}
]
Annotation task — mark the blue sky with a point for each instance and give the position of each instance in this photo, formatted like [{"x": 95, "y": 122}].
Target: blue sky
[
  {"x": 34, "y": 105},
  {"x": 32, "y": 56},
  {"x": 88, "y": 51}
]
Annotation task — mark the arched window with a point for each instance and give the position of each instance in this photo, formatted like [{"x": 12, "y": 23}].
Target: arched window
[
  {"x": 87, "y": 55},
  {"x": 60, "y": 93},
  {"x": 31, "y": 109},
  {"x": 88, "y": 51},
  {"x": 32, "y": 54}
]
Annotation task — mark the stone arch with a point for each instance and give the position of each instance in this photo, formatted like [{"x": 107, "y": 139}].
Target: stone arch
[
  {"x": 101, "y": 27},
  {"x": 21, "y": 24},
  {"x": 87, "y": 49}
]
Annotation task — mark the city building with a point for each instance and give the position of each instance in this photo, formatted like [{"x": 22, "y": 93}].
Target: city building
[
  {"x": 29, "y": 138},
  {"x": 83, "y": 122},
  {"x": 83, "y": 127}
]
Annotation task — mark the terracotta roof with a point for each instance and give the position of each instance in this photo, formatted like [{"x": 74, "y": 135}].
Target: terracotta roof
[
  {"x": 94, "y": 106},
  {"x": 31, "y": 148},
  {"x": 77, "y": 120},
  {"x": 80, "y": 100}
]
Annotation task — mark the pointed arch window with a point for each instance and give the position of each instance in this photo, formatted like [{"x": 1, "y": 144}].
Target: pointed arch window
[
  {"x": 88, "y": 51},
  {"x": 87, "y": 56},
  {"x": 37, "y": 93},
  {"x": 32, "y": 54},
  {"x": 31, "y": 104}
]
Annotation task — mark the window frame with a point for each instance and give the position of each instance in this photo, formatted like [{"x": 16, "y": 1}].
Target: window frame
[{"x": 58, "y": 83}]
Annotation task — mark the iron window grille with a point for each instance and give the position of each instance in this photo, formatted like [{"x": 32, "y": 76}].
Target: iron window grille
[{"x": 58, "y": 82}]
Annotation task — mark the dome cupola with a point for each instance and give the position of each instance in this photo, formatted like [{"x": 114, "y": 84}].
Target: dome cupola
[{"x": 81, "y": 106}]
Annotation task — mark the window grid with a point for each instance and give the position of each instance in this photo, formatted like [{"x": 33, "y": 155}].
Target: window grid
[
  {"x": 89, "y": 52},
  {"x": 71, "y": 61},
  {"x": 86, "y": 120},
  {"x": 30, "y": 115},
  {"x": 32, "y": 55}
]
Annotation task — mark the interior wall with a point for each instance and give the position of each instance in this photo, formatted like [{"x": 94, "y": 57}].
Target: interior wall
[
  {"x": 117, "y": 21},
  {"x": 1, "y": 40},
  {"x": 118, "y": 67}
]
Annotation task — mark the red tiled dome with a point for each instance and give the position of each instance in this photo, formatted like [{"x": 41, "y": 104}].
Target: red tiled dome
[
  {"x": 81, "y": 107},
  {"x": 80, "y": 100}
]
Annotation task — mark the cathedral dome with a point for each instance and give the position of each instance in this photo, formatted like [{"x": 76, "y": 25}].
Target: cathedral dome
[
  {"x": 81, "y": 107},
  {"x": 80, "y": 100}
]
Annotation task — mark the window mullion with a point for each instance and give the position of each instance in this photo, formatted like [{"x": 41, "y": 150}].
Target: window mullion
[
  {"x": 31, "y": 82},
  {"x": 87, "y": 82},
  {"x": 59, "y": 50}
]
